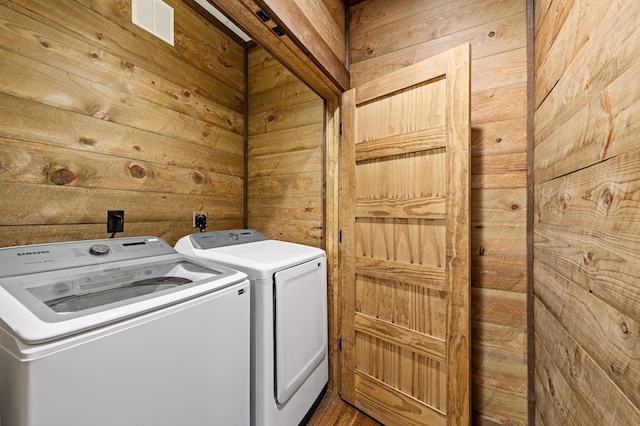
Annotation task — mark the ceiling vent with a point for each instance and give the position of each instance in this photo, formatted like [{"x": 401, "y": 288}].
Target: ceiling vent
[{"x": 154, "y": 16}]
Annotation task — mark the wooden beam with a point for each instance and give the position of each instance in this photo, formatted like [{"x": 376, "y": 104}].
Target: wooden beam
[
  {"x": 308, "y": 64},
  {"x": 297, "y": 26}
]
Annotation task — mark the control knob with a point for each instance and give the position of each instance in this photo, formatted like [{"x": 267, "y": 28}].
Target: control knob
[{"x": 99, "y": 249}]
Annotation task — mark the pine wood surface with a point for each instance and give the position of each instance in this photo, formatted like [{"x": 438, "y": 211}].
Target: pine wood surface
[
  {"x": 387, "y": 36},
  {"x": 408, "y": 285},
  {"x": 586, "y": 248},
  {"x": 285, "y": 163},
  {"x": 98, "y": 114}
]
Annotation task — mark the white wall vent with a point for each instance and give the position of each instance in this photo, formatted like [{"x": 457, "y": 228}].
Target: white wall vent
[{"x": 154, "y": 16}]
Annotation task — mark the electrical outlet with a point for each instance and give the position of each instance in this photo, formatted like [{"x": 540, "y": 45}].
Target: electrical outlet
[
  {"x": 200, "y": 220},
  {"x": 115, "y": 221}
]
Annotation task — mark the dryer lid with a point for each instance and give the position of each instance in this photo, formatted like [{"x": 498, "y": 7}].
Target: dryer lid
[{"x": 259, "y": 259}]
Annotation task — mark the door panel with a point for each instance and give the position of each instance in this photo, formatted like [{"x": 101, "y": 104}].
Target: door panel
[
  {"x": 300, "y": 324},
  {"x": 404, "y": 257}
]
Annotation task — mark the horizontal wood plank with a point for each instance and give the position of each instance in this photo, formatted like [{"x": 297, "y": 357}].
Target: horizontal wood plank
[
  {"x": 601, "y": 127},
  {"x": 298, "y": 185},
  {"x": 601, "y": 197},
  {"x": 574, "y": 365},
  {"x": 404, "y": 143},
  {"x": 171, "y": 231},
  {"x": 602, "y": 331},
  {"x": 498, "y": 307},
  {"x": 73, "y": 205},
  {"x": 308, "y": 161},
  {"x": 605, "y": 265},
  {"x": 46, "y": 165},
  {"x": 25, "y": 36},
  {"x": 497, "y": 104},
  {"x": 410, "y": 208},
  {"x": 393, "y": 405},
  {"x": 78, "y": 131},
  {"x": 403, "y": 77},
  {"x": 498, "y": 137},
  {"x": 133, "y": 43},
  {"x": 296, "y": 231},
  {"x": 428, "y": 346},
  {"x": 506, "y": 273},
  {"x": 287, "y": 208},
  {"x": 373, "y": 35},
  {"x": 418, "y": 275},
  {"x": 287, "y": 140},
  {"x": 508, "y": 34}
]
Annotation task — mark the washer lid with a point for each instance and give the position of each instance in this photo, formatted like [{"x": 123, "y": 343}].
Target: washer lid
[
  {"x": 259, "y": 259},
  {"x": 50, "y": 303}
]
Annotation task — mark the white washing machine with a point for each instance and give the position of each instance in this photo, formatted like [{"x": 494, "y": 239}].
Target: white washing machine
[
  {"x": 289, "y": 357},
  {"x": 121, "y": 332}
]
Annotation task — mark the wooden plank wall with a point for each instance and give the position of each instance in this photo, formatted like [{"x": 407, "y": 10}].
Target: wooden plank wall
[
  {"x": 385, "y": 36},
  {"x": 285, "y": 121},
  {"x": 587, "y": 213},
  {"x": 97, "y": 114}
]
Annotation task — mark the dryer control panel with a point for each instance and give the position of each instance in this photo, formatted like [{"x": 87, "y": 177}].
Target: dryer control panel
[{"x": 215, "y": 239}]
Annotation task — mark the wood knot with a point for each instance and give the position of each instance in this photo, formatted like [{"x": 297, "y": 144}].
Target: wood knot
[
  {"x": 137, "y": 148},
  {"x": 271, "y": 118},
  {"x": 564, "y": 202},
  {"x": 369, "y": 51},
  {"x": 62, "y": 177},
  {"x": 198, "y": 178},
  {"x": 498, "y": 140},
  {"x": 100, "y": 36},
  {"x": 607, "y": 198},
  {"x": 186, "y": 94},
  {"x": 87, "y": 141},
  {"x": 129, "y": 66},
  {"x": 228, "y": 121},
  {"x": 45, "y": 44},
  {"x": 101, "y": 115},
  {"x": 588, "y": 257},
  {"x": 176, "y": 97},
  {"x": 206, "y": 133},
  {"x": 573, "y": 371},
  {"x": 515, "y": 206},
  {"x": 624, "y": 329},
  {"x": 492, "y": 33},
  {"x": 137, "y": 171},
  {"x": 94, "y": 55}
]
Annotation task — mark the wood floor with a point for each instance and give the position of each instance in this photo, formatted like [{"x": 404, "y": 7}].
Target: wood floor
[{"x": 333, "y": 411}]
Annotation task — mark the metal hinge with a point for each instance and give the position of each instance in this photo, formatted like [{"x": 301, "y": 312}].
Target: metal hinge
[{"x": 340, "y": 236}]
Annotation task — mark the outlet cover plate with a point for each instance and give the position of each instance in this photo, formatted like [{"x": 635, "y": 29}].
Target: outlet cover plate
[{"x": 113, "y": 222}]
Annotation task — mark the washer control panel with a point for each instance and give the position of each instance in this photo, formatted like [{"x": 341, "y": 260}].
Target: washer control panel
[{"x": 49, "y": 257}]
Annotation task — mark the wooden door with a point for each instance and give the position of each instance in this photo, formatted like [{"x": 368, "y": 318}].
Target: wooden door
[{"x": 404, "y": 254}]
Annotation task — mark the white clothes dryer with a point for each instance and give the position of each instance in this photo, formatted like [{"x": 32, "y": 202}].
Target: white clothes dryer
[
  {"x": 121, "y": 332},
  {"x": 289, "y": 356}
]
